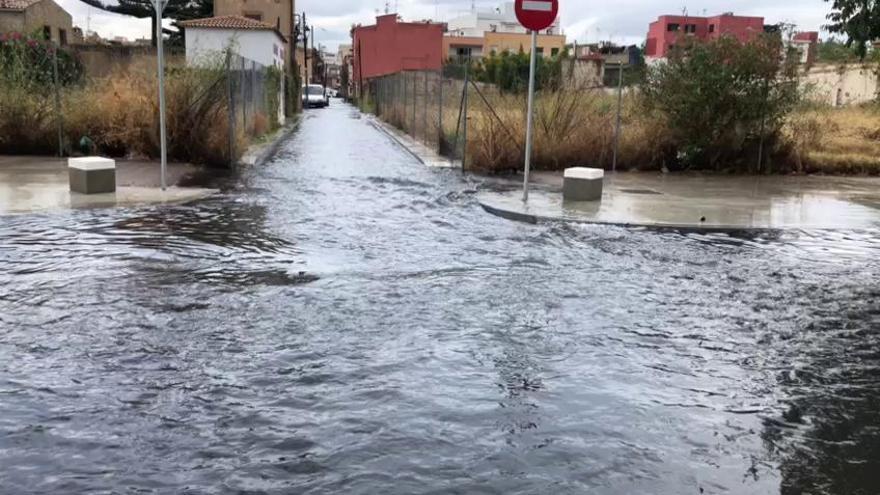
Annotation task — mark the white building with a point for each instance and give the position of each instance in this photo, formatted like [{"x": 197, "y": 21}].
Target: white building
[
  {"x": 207, "y": 41},
  {"x": 499, "y": 20}
]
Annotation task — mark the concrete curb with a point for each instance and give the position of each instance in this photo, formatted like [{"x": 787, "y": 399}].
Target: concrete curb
[
  {"x": 420, "y": 152},
  {"x": 531, "y": 219},
  {"x": 260, "y": 153},
  {"x": 381, "y": 127}
]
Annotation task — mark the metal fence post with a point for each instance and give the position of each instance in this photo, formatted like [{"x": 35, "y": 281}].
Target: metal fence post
[
  {"x": 415, "y": 126},
  {"x": 243, "y": 82},
  {"x": 464, "y": 134},
  {"x": 617, "y": 126},
  {"x": 58, "y": 115},
  {"x": 405, "y": 101},
  {"x": 425, "y": 113},
  {"x": 440, "y": 111},
  {"x": 230, "y": 95},
  {"x": 254, "y": 88}
]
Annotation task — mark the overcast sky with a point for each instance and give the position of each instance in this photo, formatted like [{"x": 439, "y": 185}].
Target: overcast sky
[{"x": 621, "y": 21}]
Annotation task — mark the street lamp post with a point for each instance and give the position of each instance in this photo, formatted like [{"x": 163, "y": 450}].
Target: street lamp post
[{"x": 159, "y": 7}]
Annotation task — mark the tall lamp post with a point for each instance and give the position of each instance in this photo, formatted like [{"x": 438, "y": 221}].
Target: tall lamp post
[{"x": 159, "y": 7}]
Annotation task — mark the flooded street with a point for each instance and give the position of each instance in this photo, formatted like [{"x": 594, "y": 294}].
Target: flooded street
[{"x": 346, "y": 320}]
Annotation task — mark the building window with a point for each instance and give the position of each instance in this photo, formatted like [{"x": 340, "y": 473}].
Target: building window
[
  {"x": 47, "y": 33},
  {"x": 690, "y": 28},
  {"x": 554, "y": 52},
  {"x": 711, "y": 28},
  {"x": 540, "y": 51},
  {"x": 672, "y": 27},
  {"x": 62, "y": 37},
  {"x": 254, "y": 15}
]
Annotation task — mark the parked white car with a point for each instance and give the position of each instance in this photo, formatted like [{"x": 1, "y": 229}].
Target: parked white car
[{"x": 314, "y": 96}]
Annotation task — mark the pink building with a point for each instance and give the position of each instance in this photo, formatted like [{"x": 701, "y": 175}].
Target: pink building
[
  {"x": 391, "y": 46},
  {"x": 666, "y": 30}
]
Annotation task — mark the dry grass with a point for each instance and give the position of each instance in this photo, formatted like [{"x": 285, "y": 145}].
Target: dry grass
[
  {"x": 836, "y": 140},
  {"x": 572, "y": 128},
  {"x": 576, "y": 128},
  {"x": 119, "y": 114}
]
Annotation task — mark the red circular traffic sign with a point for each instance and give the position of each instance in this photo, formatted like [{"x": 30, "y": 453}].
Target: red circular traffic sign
[{"x": 537, "y": 15}]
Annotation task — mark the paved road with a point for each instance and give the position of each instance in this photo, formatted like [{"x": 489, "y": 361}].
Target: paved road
[{"x": 345, "y": 320}]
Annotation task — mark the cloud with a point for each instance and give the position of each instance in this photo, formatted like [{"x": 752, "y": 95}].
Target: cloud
[{"x": 623, "y": 21}]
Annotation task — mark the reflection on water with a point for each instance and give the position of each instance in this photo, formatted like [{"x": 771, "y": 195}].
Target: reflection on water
[{"x": 347, "y": 321}]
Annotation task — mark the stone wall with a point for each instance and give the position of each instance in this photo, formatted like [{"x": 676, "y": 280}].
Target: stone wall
[
  {"x": 104, "y": 60},
  {"x": 840, "y": 85},
  {"x": 35, "y": 18}
]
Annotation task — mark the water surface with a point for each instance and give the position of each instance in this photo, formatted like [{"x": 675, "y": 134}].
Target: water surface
[{"x": 344, "y": 320}]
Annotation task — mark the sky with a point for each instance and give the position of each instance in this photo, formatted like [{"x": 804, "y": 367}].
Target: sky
[{"x": 620, "y": 21}]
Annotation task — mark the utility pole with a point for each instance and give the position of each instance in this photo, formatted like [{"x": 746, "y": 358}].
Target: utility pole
[
  {"x": 306, "y": 49},
  {"x": 159, "y": 7}
]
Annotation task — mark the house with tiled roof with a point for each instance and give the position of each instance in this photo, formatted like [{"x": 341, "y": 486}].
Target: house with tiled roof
[
  {"x": 257, "y": 45},
  {"x": 207, "y": 39},
  {"x": 43, "y": 17}
]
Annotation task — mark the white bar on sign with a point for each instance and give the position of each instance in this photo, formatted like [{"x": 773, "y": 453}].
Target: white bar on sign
[{"x": 540, "y": 5}]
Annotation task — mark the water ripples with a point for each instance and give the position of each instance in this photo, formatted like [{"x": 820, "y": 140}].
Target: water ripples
[{"x": 361, "y": 326}]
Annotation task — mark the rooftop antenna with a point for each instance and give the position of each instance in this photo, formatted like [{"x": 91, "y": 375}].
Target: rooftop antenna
[
  {"x": 473, "y": 5},
  {"x": 387, "y": 7}
]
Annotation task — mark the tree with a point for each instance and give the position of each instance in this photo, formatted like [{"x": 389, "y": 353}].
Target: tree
[
  {"x": 720, "y": 98},
  {"x": 179, "y": 10},
  {"x": 859, "y": 20}
]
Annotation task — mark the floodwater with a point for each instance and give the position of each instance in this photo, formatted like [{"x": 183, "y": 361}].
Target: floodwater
[{"x": 345, "y": 320}]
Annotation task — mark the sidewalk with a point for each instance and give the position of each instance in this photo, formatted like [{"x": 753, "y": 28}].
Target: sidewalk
[
  {"x": 699, "y": 201},
  {"x": 30, "y": 184}
]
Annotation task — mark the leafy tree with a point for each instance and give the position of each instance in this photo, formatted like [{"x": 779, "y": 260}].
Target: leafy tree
[
  {"x": 833, "y": 51},
  {"x": 179, "y": 10},
  {"x": 510, "y": 71},
  {"x": 720, "y": 98},
  {"x": 27, "y": 61},
  {"x": 859, "y": 20}
]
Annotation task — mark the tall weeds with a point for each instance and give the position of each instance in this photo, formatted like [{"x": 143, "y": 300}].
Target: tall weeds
[{"x": 119, "y": 114}]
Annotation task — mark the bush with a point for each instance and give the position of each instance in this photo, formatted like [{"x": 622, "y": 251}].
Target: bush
[
  {"x": 28, "y": 60},
  {"x": 721, "y": 99},
  {"x": 120, "y": 115},
  {"x": 509, "y": 72}
]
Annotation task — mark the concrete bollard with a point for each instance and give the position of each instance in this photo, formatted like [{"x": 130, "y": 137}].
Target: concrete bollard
[
  {"x": 92, "y": 175},
  {"x": 582, "y": 184}
]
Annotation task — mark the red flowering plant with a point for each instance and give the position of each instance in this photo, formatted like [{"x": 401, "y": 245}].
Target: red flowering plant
[{"x": 28, "y": 60}]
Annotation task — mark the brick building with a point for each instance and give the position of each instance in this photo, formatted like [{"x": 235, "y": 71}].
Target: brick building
[
  {"x": 36, "y": 16},
  {"x": 392, "y": 46},
  {"x": 275, "y": 13},
  {"x": 666, "y": 30}
]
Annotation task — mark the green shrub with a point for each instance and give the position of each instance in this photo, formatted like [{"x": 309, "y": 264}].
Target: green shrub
[
  {"x": 721, "y": 99},
  {"x": 28, "y": 60}
]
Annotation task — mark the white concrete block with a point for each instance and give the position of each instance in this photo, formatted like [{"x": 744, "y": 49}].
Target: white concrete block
[
  {"x": 582, "y": 184},
  {"x": 92, "y": 175},
  {"x": 91, "y": 163},
  {"x": 584, "y": 173}
]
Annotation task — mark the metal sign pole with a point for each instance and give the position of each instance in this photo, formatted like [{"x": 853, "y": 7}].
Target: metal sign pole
[
  {"x": 617, "y": 125},
  {"x": 159, "y": 6},
  {"x": 531, "y": 116}
]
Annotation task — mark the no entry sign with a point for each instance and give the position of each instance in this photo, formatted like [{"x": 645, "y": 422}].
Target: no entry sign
[{"x": 537, "y": 15}]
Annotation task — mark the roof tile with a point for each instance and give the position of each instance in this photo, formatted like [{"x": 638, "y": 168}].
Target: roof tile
[{"x": 16, "y": 4}]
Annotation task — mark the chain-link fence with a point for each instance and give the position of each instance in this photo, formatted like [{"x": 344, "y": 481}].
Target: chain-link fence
[
  {"x": 463, "y": 115},
  {"x": 50, "y": 105},
  {"x": 255, "y": 96}
]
